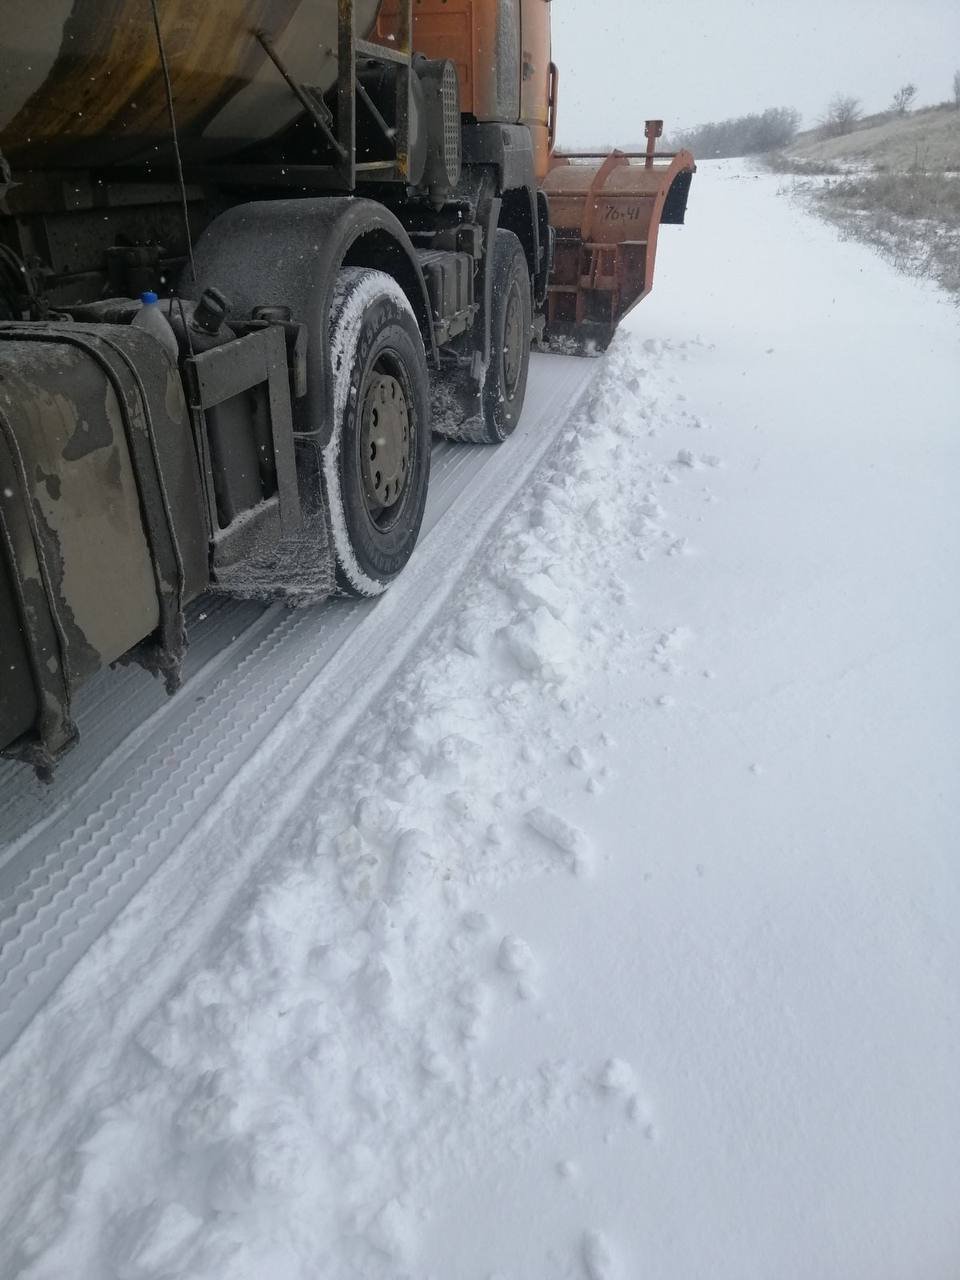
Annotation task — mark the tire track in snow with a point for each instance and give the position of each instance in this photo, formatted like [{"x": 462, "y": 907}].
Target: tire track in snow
[{"x": 64, "y": 885}]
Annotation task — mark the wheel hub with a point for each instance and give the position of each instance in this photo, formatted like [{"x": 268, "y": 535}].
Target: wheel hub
[
  {"x": 384, "y": 444},
  {"x": 513, "y": 340}
]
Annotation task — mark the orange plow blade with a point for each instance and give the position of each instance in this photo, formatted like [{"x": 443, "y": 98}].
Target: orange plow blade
[{"x": 606, "y": 218}]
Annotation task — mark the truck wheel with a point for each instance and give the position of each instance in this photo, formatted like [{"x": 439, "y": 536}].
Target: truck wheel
[
  {"x": 511, "y": 322},
  {"x": 376, "y": 466}
]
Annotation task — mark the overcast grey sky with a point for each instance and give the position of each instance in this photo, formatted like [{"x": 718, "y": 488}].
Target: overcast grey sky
[{"x": 691, "y": 61}]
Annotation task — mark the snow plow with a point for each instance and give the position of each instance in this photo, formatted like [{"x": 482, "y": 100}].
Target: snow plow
[
  {"x": 252, "y": 256},
  {"x": 607, "y": 218}
]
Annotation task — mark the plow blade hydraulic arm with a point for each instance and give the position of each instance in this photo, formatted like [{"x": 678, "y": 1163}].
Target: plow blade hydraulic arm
[{"x": 606, "y": 217}]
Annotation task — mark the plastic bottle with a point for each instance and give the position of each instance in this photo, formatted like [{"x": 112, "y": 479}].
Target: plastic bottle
[{"x": 152, "y": 319}]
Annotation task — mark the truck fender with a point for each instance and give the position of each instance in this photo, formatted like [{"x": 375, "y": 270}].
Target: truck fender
[
  {"x": 520, "y": 215},
  {"x": 289, "y": 253}
]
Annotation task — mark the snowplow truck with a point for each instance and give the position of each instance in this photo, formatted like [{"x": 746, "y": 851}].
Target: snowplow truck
[{"x": 253, "y": 254}]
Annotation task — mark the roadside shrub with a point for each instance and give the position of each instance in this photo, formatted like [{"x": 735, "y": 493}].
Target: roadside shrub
[
  {"x": 842, "y": 115},
  {"x": 903, "y": 99},
  {"x": 802, "y": 167},
  {"x": 743, "y": 135},
  {"x": 912, "y": 218}
]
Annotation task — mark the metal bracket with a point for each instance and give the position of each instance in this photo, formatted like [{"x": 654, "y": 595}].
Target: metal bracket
[
  {"x": 340, "y": 131},
  {"x": 218, "y": 375},
  {"x": 45, "y": 644},
  {"x": 312, "y": 102}
]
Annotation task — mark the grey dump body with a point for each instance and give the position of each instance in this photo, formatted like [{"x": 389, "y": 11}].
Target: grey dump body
[{"x": 79, "y": 87}]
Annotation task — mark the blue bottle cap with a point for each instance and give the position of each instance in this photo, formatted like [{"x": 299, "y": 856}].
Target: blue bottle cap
[{"x": 148, "y": 296}]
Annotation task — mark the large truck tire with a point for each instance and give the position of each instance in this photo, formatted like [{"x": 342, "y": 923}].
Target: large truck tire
[
  {"x": 505, "y": 381},
  {"x": 511, "y": 327},
  {"x": 376, "y": 465}
]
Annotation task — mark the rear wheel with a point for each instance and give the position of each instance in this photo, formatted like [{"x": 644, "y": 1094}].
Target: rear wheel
[
  {"x": 511, "y": 322},
  {"x": 376, "y": 465},
  {"x": 505, "y": 381}
]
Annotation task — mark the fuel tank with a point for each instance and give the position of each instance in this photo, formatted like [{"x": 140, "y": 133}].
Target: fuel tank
[
  {"x": 102, "y": 533},
  {"x": 81, "y": 83}
]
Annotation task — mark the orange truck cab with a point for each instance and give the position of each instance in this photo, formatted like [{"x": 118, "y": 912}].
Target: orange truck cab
[
  {"x": 605, "y": 210},
  {"x": 501, "y": 49}
]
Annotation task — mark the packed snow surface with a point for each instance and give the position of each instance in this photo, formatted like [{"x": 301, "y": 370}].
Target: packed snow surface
[{"x": 621, "y": 940}]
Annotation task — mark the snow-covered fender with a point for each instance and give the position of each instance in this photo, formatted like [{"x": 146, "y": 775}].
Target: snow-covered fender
[{"x": 289, "y": 253}]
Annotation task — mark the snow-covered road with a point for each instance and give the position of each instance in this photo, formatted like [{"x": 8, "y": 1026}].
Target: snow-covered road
[
  {"x": 155, "y": 774},
  {"x": 620, "y": 937}
]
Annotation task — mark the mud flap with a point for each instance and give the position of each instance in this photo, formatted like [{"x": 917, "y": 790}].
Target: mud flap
[{"x": 243, "y": 423}]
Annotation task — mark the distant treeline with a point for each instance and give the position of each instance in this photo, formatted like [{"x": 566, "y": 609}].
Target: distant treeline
[{"x": 746, "y": 135}]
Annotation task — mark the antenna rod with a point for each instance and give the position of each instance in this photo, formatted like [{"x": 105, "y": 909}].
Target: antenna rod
[{"x": 173, "y": 133}]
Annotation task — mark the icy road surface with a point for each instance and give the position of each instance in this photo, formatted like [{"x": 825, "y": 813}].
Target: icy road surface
[{"x": 620, "y": 937}]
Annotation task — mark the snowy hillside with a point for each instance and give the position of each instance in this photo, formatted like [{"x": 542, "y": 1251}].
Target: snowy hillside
[{"x": 925, "y": 139}]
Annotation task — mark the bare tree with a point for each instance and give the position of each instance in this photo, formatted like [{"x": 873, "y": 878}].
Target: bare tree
[
  {"x": 956, "y": 89},
  {"x": 903, "y": 99},
  {"x": 842, "y": 115}
]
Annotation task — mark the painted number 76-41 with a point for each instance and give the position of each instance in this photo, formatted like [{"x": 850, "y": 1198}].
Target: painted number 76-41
[{"x": 617, "y": 213}]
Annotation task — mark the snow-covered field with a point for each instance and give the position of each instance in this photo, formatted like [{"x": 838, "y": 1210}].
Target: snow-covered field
[{"x": 622, "y": 939}]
